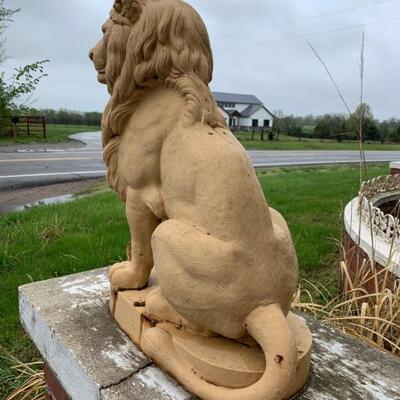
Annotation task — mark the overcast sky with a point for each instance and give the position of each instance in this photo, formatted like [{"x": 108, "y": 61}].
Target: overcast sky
[{"x": 259, "y": 48}]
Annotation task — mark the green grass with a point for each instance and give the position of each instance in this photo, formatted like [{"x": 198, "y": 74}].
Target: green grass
[
  {"x": 55, "y": 134},
  {"x": 309, "y": 129},
  {"x": 91, "y": 232},
  {"x": 292, "y": 143}
]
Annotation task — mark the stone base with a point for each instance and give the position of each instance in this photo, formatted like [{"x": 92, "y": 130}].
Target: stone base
[
  {"x": 394, "y": 167},
  {"x": 92, "y": 359},
  {"x": 359, "y": 265},
  {"x": 217, "y": 360},
  {"x": 55, "y": 391}
]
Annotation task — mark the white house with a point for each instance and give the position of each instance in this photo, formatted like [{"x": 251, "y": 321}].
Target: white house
[{"x": 244, "y": 111}]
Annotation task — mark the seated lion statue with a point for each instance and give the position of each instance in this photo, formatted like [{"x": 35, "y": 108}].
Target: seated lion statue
[{"x": 224, "y": 260}]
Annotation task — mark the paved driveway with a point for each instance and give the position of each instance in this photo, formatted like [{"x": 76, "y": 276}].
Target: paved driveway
[{"x": 41, "y": 167}]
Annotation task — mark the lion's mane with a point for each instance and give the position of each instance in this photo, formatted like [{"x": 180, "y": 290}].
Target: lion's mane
[{"x": 155, "y": 43}]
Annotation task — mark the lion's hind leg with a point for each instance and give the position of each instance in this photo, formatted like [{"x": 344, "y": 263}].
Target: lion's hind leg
[
  {"x": 193, "y": 270},
  {"x": 159, "y": 309}
]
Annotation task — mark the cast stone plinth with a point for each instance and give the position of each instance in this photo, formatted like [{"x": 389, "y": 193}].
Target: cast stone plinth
[{"x": 68, "y": 320}]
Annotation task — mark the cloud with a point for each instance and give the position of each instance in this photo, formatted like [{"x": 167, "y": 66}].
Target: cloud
[{"x": 259, "y": 47}]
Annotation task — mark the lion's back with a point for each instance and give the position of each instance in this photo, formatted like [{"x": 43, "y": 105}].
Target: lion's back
[{"x": 210, "y": 170}]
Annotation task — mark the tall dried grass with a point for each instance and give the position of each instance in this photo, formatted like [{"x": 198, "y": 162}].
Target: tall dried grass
[
  {"x": 369, "y": 304},
  {"x": 372, "y": 315},
  {"x": 26, "y": 379}
]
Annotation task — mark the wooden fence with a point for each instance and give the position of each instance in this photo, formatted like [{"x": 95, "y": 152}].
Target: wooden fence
[{"x": 19, "y": 126}]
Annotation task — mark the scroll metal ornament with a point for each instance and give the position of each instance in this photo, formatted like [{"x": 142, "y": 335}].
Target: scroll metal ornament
[{"x": 385, "y": 226}]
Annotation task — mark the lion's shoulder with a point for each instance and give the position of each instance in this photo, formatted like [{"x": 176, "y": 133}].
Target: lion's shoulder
[{"x": 162, "y": 108}]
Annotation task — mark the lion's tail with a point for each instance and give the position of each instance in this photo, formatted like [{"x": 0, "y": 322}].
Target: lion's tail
[
  {"x": 110, "y": 156},
  {"x": 268, "y": 325}
]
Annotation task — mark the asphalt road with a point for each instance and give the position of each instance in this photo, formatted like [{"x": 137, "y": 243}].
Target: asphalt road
[{"x": 34, "y": 168}]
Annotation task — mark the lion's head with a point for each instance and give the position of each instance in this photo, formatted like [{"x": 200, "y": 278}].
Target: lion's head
[
  {"x": 149, "y": 43},
  {"x": 154, "y": 42}
]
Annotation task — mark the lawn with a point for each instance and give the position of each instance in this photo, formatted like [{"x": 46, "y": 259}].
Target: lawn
[
  {"x": 292, "y": 143},
  {"x": 55, "y": 134},
  {"x": 91, "y": 232}
]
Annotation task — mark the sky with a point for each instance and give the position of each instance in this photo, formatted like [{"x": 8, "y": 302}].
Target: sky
[{"x": 260, "y": 47}]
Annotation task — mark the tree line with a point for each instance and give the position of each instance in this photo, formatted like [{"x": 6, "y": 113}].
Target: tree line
[
  {"x": 68, "y": 117},
  {"x": 340, "y": 127},
  {"x": 333, "y": 126}
]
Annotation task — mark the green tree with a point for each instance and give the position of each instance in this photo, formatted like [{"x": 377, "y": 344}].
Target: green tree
[
  {"x": 389, "y": 130},
  {"x": 17, "y": 90},
  {"x": 369, "y": 126},
  {"x": 296, "y": 131},
  {"x": 396, "y": 134},
  {"x": 331, "y": 126},
  {"x": 384, "y": 131}
]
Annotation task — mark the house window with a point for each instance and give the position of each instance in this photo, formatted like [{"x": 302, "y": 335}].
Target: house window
[
  {"x": 226, "y": 104},
  {"x": 266, "y": 123},
  {"x": 254, "y": 123}
]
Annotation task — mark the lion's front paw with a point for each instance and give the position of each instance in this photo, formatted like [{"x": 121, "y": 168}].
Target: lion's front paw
[{"x": 126, "y": 276}]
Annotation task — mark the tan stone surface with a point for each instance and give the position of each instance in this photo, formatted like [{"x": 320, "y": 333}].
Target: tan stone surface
[
  {"x": 220, "y": 361},
  {"x": 225, "y": 261}
]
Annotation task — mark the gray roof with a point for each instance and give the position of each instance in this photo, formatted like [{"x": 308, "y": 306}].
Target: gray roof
[
  {"x": 250, "y": 110},
  {"x": 236, "y": 98},
  {"x": 231, "y": 112}
]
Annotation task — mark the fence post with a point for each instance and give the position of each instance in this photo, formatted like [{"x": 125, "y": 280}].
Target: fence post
[
  {"x": 28, "y": 127},
  {"x": 44, "y": 127}
]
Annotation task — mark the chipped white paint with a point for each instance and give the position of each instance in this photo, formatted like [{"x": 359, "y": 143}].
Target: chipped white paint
[
  {"x": 61, "y": 359},
  {"x": 87, "y": 286},
  {"x": 317, "y": 395},
  {"x": 340, "y": 360},
  {"x": 74, "y": 282},
  {"x": 122, "y": 354},
  {"x": 334, "y": 348},
  {"x": 73, "y": 328},
  {"x": 154, "y": 378}
]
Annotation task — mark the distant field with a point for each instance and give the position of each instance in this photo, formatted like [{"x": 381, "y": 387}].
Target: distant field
[
  {"x": 292, "y": 143},
  {"x": 55, "y": 134},
  {"x": 60, "y": 133},
  {"x": 308, "y": 129}
]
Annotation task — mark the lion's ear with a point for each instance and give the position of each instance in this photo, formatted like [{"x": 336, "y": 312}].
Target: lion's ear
[{"x": 130, "y": 9}]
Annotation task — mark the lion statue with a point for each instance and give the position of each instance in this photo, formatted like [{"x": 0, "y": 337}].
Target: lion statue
[{"x": 224, "y": 260}]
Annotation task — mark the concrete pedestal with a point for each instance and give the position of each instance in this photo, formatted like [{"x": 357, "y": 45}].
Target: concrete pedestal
[
  {"x": 394, "y": 167},
  {"x": 88, "y": 357}
]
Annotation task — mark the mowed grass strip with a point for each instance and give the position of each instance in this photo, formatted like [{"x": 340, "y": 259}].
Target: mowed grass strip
[
  {"x": 91, "y": 232},
  {"x": 55, "y": 134},
  {"x": 292, "y": 143}
]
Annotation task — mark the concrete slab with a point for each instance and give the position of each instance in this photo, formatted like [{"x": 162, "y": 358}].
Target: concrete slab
[
  {"x": 69, "y": 322},
  {"x": 148, "y": 384}
]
